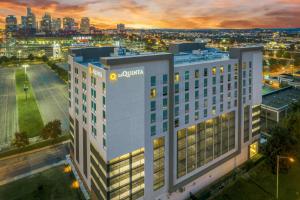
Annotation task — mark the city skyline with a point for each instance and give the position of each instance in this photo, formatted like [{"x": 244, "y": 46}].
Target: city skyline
[{"x": 189, "y": 14}]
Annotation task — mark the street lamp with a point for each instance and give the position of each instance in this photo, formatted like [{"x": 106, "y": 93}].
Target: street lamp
[{"x": 277, "y": 176}]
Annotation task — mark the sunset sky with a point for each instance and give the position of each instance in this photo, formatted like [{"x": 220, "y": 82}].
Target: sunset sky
[{"x": 166, "y": 13}]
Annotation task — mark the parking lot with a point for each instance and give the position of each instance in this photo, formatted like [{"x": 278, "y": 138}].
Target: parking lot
[
  {"x": 51, "y": 94},
  {"x": 8, "y": 117}
]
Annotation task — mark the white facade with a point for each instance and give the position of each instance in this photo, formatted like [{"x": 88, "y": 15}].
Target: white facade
[{"x": 127, "y": 105}]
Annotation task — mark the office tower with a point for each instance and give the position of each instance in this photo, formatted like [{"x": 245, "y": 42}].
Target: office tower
[
  {"x": 23, "y": 22},
  {"x": 31, "y": 21},
  {"x": 120, "y": 27},
  {"x": 11, "y": 25},
  {"x": 68, "y": 24},
  {"x": 162, "y": 125},
  {"x": 46, "y": 23},
  {"x": 56, "y": 25},
  {"x": 85, "y": 25}
]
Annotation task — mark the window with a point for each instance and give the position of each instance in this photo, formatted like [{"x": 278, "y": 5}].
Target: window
[
  {"x": 221, "y": 88},
  {"x": 76, "y": 70},
  {"x": 153, "y": 81},
  {"x": 205, "y": 72},
  {"x": 214, "y": 71},
  {"x": 176, "y": 122},
  {"x": 83, "y": 86},
  {"x": 93, "y": 104},
  {"x": 197, "y": 74},
  {"x": 165, "y": 114},
  {"x": 229, "y": 68},
  {"x": 205, "y": 82},
  {"x": 205, "y": 92},
  {"x": 165, "y": 79},
  {"x": 196, "y": 84},
  {"x": 176, "y": 99},
  {"x": 153, "y": 117},
  {"x": 176, "y": 88},
  {"x": 186, "y": 108},
  {"x": 93, "y": 93},
  {"x": 153, "y": 130},
  {"x": 196, "y": 105},
  {"x": 186, "y": 86},
  {"x": 221, "y": 79},
  {"x": 186, "y": 97},
  {"x": 214, "y": 90},
  {"x": 153, "y": 93},
  {"x": 196, "y": 94},
  {"x": 177, "y": 77},
  {"x": 165, "y": 102},
  {"x": 186, "y": 75},
  {"x": 165, "y": 90},
  {"x": 229, "y": 77},
  {"x": 214, "y": 100},
  {"x": 152, "y": 105},
  {"x": 83, "y": 75},
  {"x": 165, "y": 126},
  {"x": 103, "y": 100},
  {"x": 103, "y": 114},
  {"x": 103, "y": 86},
  {"x": 205, "y": 112},
  {"x": 93, "y": 81},
  {"x": 94, "y": 119},
  {"x": 186, "y": 119},
  {"x": 176, "y": 111},
  {"x": 158, "y": 163},
  {"x": 94, "y": 131},
  {"x": 221, "y": 70},
  {"x": 196, "y": 115},
  {"x": 214, "y": 80}
]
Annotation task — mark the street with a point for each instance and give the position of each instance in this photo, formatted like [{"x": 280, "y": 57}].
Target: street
[{"x": 26, "y": 163}]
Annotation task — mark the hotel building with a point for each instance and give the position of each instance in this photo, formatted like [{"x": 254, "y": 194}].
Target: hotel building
[{"x": 162, "y": 125}]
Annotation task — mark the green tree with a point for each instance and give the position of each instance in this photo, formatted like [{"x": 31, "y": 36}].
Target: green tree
[
  {"x": 51, "y": 130},
  {"x": 21, "y": 139},
  {"x": 31, "y": 57},
  {"x": 45, "y": 58}
]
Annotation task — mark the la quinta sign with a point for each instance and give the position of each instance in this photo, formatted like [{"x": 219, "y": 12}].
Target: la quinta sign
[{"x": 113, "y": 76}]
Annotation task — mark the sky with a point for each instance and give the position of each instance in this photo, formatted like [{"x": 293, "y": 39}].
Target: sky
[{"x": 176, "y": 14}]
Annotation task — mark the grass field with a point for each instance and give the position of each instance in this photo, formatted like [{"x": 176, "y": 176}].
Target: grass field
[
  {"x": 52, "y": 184},
  {"x": 30, "y": 119},
  {"x": 260, "y": 184}
]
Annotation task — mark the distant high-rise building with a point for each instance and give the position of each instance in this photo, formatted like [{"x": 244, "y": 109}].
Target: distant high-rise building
[
  {"x": 23, "y": 22},
  {"x": 68, "y": 24},
  {"x": 56, "y": 25},
  {"x": 85, "y": 25},
  {"x": 31, "y": 20},
  {"x": 121, "y": 27},
  {"x": 46, "y": 23},
  {"x": 11, "y": 24}
]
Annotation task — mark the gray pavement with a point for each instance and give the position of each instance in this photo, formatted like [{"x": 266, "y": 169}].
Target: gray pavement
[
  {"x": 30, "y": 162},
  {"x": 8, "y": 106},
  {"x": 51, "y": 94}
]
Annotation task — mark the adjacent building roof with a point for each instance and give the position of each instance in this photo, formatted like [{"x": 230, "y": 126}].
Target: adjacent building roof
[{"x": 281, "y": 98}]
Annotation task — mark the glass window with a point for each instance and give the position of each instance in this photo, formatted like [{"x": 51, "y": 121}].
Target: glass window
[
  {"x": 165, "y": 114},
  {"x": 153, "y": 117},
  {"x": 176, "y": 88},
  {"x": 196, "y": 94},
  {"x": 214, "y": 80},
  {"x": 153, "y": 105},
  {"x": 187, "y": 108},
  {"x": 165, "y": 90},
  {"x": 186, "y": 75},
  {"x": 196, "y": 84},
  {"x": 205, "y": 72},
  {"x": 214, "y": 71},
  {"x": 177, "y": 77},
  {"x": 177, "y": 99},
  {"x": 165, "y": 126},
  {"x": 165, "y": 79},
  {"x": 229, "y": 68},
  {"x": 153, "y": 130},
  {"x": 186, "y": 119},
  {"x": 221, "y": 70},
  {"x": 153, "y": 93},
  {"x": 165, "y": 102},
  {"x": 176, "y": 111},
  {"x": 197, "y": 74},
  {"x": 153, "y": 81},
  {"x": 186, "y": 86},
  {"x": 186, "y": 97},
  {"x": 205, "y": 82}
]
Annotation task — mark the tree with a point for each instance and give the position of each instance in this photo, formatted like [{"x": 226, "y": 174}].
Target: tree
[
  {"x": 51, "y": 130},
  {"x": 31, "y": 57},
  {"x": 21, "y": 139},
  {"x": 45, "y": 58}
]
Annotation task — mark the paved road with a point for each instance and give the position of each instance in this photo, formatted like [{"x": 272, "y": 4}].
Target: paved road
[
  {"x": 8, "y": 108},
  {"x": 51, "y": 94},
  {"x": 28, "y": 162}
]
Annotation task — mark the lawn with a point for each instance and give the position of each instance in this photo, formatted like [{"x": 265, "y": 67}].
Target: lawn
[
  {"x": 260, "y": 183},
  {"x": 52, "y": 184},
  {"x": 30, "y": 119}
]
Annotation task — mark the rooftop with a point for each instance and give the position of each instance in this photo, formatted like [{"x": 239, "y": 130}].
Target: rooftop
[{"x": 281, "y": 98}]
